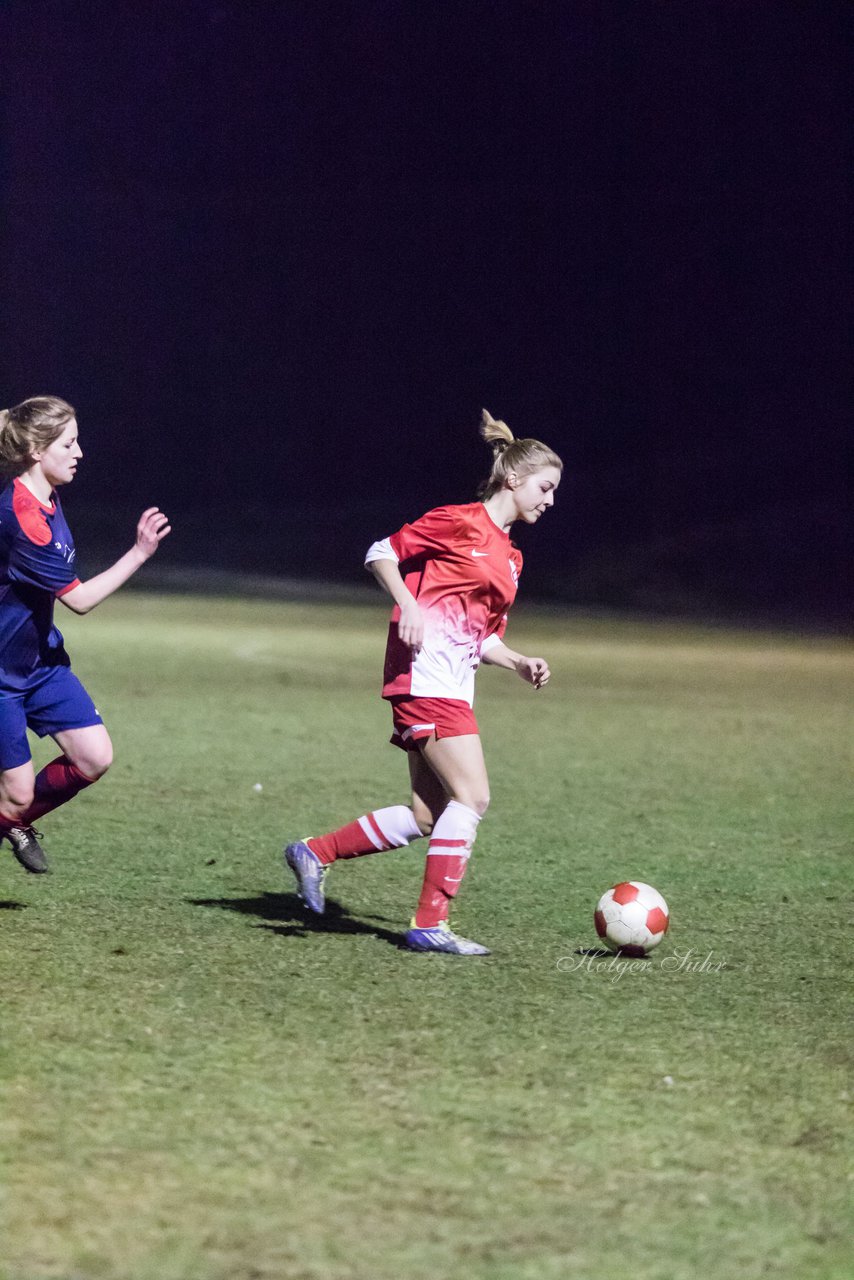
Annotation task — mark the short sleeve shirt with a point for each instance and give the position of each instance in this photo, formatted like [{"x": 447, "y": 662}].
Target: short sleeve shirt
[
  {"x": 463, "y": 571},
  {"x": 37, "y": 564}
]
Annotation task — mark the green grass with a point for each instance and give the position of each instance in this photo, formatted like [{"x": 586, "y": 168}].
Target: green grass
[{"x": 200, "y": 1084}]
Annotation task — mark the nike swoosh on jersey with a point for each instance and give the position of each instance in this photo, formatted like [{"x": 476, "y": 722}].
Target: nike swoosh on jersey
[{"x": 479, "y": 553}]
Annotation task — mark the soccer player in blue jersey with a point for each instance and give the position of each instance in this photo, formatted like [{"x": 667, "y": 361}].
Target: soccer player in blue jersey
[{"x": 39, "y": 452}]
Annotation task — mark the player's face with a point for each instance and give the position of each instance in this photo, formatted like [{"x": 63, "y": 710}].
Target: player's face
[
  {"x": 59, "y": 460},
  {"x": 535, "y": 493}
]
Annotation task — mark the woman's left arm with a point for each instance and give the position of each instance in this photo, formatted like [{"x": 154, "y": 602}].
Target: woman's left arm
[
  {"x": 152, "y": 528},
  {"x": 534, "y": 670}
]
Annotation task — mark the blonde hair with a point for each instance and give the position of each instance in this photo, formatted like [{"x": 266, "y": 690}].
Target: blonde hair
[
  {"x": 33, "y": 424},
  {"x": 511, "y": 456}
]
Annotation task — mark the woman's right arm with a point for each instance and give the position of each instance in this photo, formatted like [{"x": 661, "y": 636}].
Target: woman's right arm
[
  {"x": 410, "y": 626},
  {"x": 430, "y": 535},
  {"x": 152, "y": 528}
]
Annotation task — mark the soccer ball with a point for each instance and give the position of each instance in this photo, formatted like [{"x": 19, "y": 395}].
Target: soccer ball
[{"x": 631, "y": 918}]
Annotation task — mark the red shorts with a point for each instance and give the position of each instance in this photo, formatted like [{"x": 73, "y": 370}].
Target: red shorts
[{"x": 418, "y": 718}]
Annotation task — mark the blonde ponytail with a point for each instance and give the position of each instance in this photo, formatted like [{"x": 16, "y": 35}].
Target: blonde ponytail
[
  {"x": 495, "y": 432},
  {"x": 33, "y": 424},
  {"x": 511, "y": 456}
]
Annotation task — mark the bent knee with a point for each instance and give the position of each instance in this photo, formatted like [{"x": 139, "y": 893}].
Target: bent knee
[
  {"x": 94, "y": 764},
  {"x": 89, "y": 750},
  {"x": 481, "y": 803},
  {"x": 17, "y": 795},
  {"x": 476, "y": 800},
  {"x": 97, "y": 766},
  {"x": 424, "y": 819}
]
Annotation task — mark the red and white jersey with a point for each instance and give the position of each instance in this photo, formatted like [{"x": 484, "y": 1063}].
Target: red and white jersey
[{"x": 463, "y": 571}]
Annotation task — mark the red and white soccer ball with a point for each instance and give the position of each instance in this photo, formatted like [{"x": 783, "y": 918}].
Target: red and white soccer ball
[{"x": 631, "y": 918}]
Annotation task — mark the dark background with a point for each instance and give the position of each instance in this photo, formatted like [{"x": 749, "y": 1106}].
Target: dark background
[{"x": 278, "y": 255}]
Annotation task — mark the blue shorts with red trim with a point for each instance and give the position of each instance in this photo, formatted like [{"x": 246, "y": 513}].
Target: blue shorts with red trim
[
  {"x": 418, "y": 718},
  {"x": 54, "y": 700}
]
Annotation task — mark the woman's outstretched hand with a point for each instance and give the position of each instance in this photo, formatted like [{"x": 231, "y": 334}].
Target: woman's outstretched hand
[
  {"x": 535, "y": 671},
  {"x": 152, "y": 529},
  {"x": 410, "y": 625}
]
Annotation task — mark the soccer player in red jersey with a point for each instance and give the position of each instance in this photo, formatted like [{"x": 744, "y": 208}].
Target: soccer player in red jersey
[
  {"x": 39, "y": 451},
  {"x": 452, "y": 575}
]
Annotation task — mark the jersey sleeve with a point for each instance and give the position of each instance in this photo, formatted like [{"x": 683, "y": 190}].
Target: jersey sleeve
[
  {"x": 495, "y": 636},
  {"x": 429, "y": 536},
  {"x": 41, "y": 565},
  {"x": 379, "y": 550}
]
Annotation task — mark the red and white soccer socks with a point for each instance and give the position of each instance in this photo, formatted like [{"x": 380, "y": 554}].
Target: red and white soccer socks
[
  {"x": 447, "y": 856},
  {"x": 392, "y": 828},
  {"x": 389, "y": 828}
]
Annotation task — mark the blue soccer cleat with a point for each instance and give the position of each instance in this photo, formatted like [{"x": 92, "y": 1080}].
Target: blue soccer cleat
[
  {"x": 441, "y": 938},
  {"x": 310, "y": 874}
]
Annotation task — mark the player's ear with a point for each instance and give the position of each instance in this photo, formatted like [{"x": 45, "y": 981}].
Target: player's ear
[{"x": 512, "y": 480}]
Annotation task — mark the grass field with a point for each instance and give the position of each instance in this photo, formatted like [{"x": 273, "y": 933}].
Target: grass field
[{"x": 199, "y": 1083}]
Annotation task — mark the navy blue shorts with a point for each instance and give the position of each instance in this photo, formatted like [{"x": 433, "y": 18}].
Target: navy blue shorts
[{"x": 55, "y": 702}]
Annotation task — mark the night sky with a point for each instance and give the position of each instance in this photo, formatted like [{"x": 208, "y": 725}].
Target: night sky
[{"x": 278, "y": 255}]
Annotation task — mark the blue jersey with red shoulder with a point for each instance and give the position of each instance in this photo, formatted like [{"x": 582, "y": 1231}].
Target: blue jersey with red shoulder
[{"x": 36, "y": 565}]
